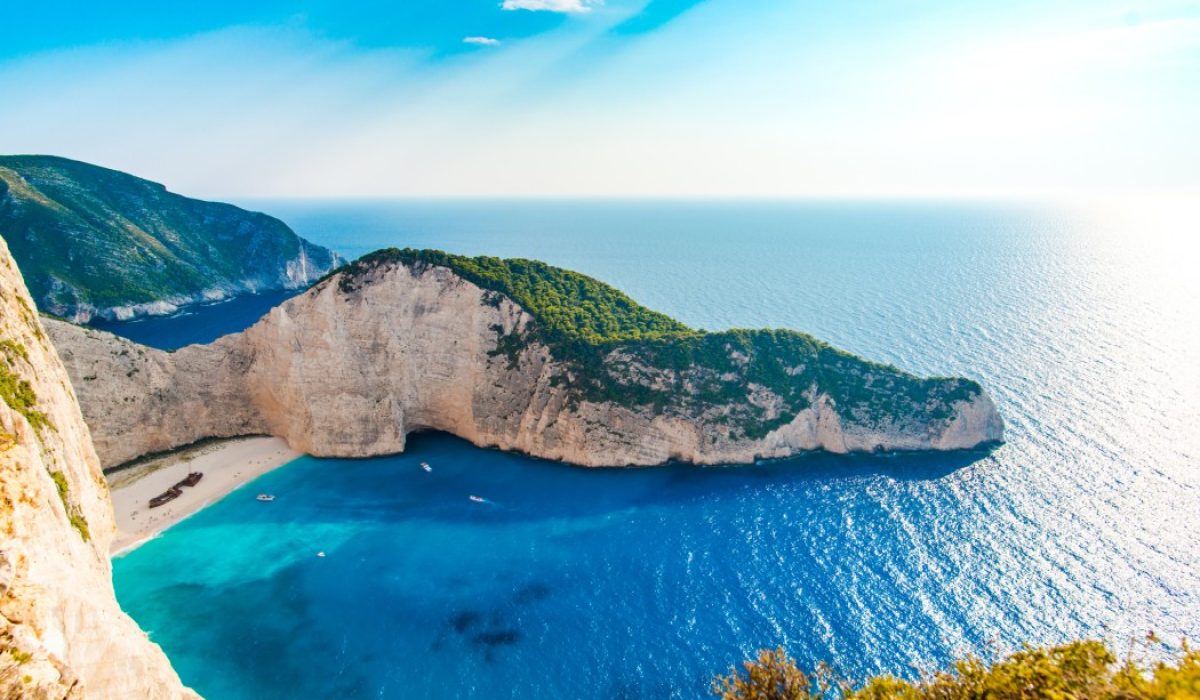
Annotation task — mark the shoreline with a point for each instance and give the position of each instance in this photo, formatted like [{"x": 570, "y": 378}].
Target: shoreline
[{"x": 226, "y": 465}]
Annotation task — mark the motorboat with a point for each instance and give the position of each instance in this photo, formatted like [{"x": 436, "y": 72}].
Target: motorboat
[
  {"x": 426, "y": 467},
  {"x": 265, "y": 497},
  {"x": 478, "y": 499}
]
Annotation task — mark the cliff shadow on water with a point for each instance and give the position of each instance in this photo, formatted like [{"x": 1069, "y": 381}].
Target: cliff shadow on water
[
  {"x": 196, "y": 324},
  {"x": 519, "y": 487},
  {"x": 917, "y": 465}
]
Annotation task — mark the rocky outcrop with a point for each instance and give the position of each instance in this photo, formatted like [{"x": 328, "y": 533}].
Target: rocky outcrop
[
  {"x": 62, "y": 634},
  {"x": 362, "y": 359},
  {"x": 97, "y": 242}
]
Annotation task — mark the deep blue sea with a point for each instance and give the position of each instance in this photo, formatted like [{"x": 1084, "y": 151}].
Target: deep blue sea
[{"x": 1083, "y": 323}]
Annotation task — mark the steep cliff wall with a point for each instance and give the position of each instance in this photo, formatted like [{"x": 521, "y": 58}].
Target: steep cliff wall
[
  {"x": 62, "y": 634},
  {"x": 97, "y": 242},
  {"x": 352, "y": 366}
]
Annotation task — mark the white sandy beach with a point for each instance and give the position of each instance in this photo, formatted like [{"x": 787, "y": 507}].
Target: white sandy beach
[{"x": 226, "y": 465}]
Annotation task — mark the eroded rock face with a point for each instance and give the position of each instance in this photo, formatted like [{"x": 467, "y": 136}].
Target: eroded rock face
[
  {"x": 62, "y": 634},
  {"x": 350, "y": 367}
]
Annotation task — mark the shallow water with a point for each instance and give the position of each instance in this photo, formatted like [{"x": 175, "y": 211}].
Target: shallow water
[{"x": 1081, "y": 322}]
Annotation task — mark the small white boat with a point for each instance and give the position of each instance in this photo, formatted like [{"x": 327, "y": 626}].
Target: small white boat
[
  {"x": 265, "y": 497},
  {"x": 478, "y": 499},
  {"x": 320, "y": 554},
  {"x": 426, "y": 467}
]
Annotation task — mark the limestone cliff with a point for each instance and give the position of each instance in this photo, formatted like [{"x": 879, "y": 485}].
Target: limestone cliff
[
  {"x": 62, "y": 634},
  {"x": 399, "y": 344}
]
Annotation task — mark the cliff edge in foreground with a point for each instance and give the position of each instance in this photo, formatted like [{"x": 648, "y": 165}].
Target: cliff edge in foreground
[
  {"x": 512, "y": 354},
  {"x": 97, "y": 242},
  {"x": 62, "y": 634}
]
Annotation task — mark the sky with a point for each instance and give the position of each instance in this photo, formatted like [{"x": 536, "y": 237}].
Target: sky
[{"x": 612, "y": 98}]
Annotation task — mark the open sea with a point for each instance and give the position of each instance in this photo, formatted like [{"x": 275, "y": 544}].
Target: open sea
[{"x": 1083, "y": 322}]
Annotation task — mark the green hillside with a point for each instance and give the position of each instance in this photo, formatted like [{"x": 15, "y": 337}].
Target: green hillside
[{"x": 92, "y": 239}]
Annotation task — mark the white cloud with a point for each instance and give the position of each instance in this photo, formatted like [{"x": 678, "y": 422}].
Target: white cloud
[
  {"x": 481, "y": 40},
  {"x": 550, "y": 5}
]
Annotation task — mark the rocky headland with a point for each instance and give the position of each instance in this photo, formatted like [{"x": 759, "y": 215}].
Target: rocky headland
[{"x": 515, "y": 355}]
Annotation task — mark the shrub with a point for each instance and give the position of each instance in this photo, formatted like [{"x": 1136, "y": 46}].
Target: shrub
[
  {"x": 1081, "y": 670},
  {"x": 773, "y": 676},
  {"x": 16, "y": 392},
  {"x": 74, "y": 515}
]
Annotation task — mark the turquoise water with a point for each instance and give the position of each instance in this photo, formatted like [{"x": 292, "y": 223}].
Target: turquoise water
[{"x": 613, "y": 583}]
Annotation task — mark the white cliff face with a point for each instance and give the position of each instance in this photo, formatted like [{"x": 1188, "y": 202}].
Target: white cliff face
[
  {"x": 351, "y": 371},
  {"x": 62, "y": 634}
]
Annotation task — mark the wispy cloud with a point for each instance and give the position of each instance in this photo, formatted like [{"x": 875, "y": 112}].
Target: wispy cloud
[
  {"x": 550, "y": 5},
  {"x": 481, "y": 40},
  {"x": 726, "y": 102}
]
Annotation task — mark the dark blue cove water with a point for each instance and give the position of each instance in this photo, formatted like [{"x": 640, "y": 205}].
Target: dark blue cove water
[
  {"x": 199, "y": 323},
  {"x": 616, "y": 583}
]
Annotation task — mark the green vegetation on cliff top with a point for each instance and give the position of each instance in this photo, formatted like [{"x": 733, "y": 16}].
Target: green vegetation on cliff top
[
  {"x": 568, "y": 305},
  {"x": 620, "y": 351},
  {"x": 86, "y": 235}
]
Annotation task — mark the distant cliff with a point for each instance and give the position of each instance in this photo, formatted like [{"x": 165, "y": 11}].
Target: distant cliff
[
  {"x": 97, "y": 242},
  {"x": 62, "y": 634},
  {"x": 512, "y": 354}
]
